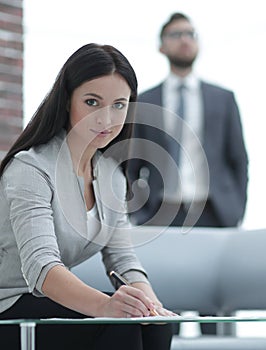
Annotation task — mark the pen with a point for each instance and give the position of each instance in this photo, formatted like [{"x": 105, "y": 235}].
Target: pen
[{"x": 123, "y": 281}]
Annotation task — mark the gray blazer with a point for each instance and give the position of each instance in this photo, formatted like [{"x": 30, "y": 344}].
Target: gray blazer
[
  {"x": 225, "y": 151},
  {"x": 43, "y": 219}
]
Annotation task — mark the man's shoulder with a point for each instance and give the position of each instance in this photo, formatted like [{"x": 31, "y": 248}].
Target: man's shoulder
[
  {"x": 150, "y": 94},
  {"x": 215, "y": 88}
]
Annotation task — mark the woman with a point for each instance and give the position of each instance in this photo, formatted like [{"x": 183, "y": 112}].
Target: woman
[{"x": 60, "y": 203}]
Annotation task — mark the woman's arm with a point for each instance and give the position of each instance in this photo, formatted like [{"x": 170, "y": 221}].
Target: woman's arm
[{"x": 65, "y": 288}]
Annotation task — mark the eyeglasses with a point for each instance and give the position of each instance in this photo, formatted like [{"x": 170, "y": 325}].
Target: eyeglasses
[{"x": 191, "y": 34}]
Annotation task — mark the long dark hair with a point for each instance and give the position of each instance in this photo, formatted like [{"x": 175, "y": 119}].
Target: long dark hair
[{"x": 87, "y": 63}]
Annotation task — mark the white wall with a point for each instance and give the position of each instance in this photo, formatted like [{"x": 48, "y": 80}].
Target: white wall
[{"x": 233, "y": 54}]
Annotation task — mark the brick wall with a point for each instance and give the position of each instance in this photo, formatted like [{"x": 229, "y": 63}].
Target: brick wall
[{"x": 11, "y": 72}]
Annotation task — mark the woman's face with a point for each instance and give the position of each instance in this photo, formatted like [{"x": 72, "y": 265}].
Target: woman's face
[{"x": 98, "y": 110}]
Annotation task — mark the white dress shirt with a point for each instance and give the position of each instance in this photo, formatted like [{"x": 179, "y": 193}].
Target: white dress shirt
[{"x": 192, "y": 185}]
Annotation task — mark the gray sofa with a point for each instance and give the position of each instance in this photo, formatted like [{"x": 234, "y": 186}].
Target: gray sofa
[{"x": 212, "y": 271}]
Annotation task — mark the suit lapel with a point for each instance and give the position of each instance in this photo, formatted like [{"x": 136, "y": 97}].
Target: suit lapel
[{"x": 207, "y": 118}]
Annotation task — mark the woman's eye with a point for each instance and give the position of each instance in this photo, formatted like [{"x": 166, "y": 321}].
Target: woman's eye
[
  {"x": 119, "y": 105},
  {"x": 91, "y": 102}
]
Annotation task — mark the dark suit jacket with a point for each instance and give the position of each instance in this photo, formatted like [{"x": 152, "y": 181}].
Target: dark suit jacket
[{"x": 224, "y": 148}]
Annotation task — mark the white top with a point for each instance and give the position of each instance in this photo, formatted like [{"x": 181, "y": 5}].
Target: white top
[{"x": 93, "y": 222}]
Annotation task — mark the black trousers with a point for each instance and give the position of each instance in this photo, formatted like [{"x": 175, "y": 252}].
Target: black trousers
[{"x": 79, "y": 337}]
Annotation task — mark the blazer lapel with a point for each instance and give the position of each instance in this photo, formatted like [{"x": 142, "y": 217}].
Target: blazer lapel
[
  {"x": 105, "y": 195},
  {"x": 69, "y": 192}
]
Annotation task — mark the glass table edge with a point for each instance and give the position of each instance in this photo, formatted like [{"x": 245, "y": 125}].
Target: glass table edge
[{"x": 151, "y": 320}]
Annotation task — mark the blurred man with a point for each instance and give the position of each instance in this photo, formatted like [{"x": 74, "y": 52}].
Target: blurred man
[{"x": 210, "y": 188}]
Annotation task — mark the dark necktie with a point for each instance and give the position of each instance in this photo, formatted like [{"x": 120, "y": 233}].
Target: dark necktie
[{"x": 180, "y": 111}]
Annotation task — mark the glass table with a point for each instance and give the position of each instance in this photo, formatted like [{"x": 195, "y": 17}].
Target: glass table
[{"x": 27, "y": 326}]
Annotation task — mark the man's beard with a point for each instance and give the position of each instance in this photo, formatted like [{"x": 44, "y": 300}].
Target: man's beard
[{"x": 181, "y": 63}]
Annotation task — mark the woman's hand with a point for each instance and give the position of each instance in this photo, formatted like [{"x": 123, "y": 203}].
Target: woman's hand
[
  {"x": 158, "y": 309},
  {"x": 161, "y": 311},
  {"x": 128, "y": 302}
]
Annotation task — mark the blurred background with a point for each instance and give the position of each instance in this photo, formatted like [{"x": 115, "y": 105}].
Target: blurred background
[{"x": 232, "y": 54}]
